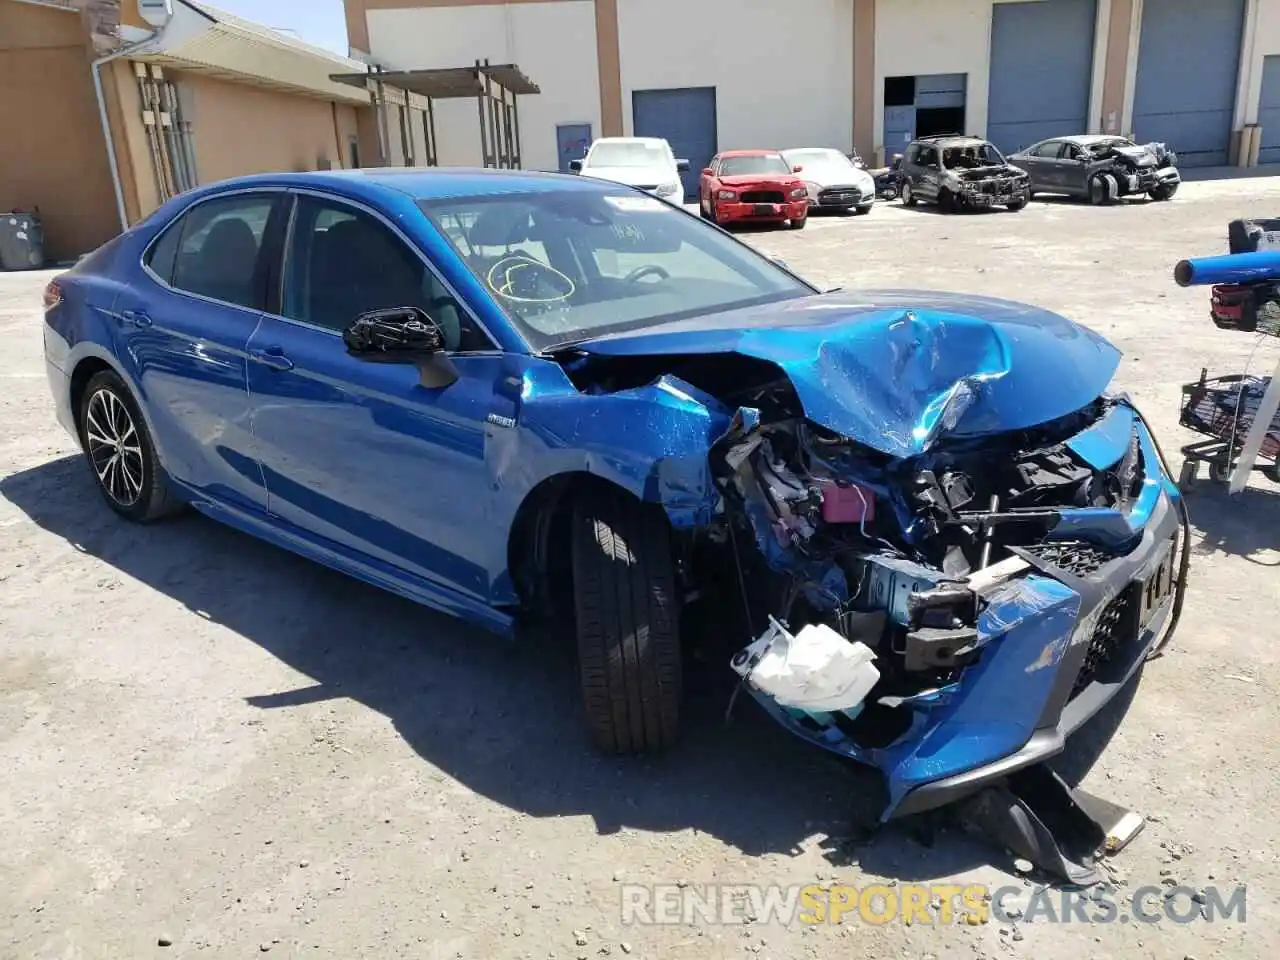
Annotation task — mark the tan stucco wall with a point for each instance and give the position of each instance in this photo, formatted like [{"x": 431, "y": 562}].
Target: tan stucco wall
[
  {"x": 240, "y": 129},
  {"x": 52, "y": 153}
]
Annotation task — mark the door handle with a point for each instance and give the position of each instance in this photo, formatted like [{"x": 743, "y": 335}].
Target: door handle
[
  {"x": 272, "y": 357},
  {"x": 136, "y": 318}
]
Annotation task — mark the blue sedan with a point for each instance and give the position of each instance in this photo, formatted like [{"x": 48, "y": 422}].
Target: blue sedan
[{"x": 941, "y": 543}]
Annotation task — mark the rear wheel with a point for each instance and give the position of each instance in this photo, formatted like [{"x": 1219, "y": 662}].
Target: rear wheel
[
  {"x": 120, "y": 450},
  {"x": 626, "y": 612}
]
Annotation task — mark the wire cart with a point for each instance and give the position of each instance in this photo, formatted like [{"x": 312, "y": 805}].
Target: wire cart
[{"x": 1225, "y": 409}]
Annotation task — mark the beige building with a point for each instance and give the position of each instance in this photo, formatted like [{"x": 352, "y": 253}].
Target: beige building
[{"x": 105, "y": 116}]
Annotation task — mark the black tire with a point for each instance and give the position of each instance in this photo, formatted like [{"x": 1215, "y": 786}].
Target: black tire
[
  {"x": 128, "y": 475},
  {"x": 627, "y": 623},
  {"x": 907, "y": 194},
  {"x": 1165, "y": 191},
  {"x": 1016, "y": 205},
  {"x": 862, "y": 211},
  {"x": 1102, "y": 189},
  {"x": 703, "y": 211},
  {"x": 947, "y": 201},
  {"x": 798, "y": 223}
]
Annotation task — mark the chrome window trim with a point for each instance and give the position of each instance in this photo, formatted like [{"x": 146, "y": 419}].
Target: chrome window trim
[
  {"x": 426, "y": 262},
  {"x": 221, "y": 195}
]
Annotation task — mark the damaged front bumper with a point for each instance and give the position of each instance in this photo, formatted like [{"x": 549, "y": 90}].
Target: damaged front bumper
[{"x": 1063, "y": 624}]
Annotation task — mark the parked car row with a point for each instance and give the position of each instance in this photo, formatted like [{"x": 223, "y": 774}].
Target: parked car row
[
  {"x": 953, "y": 171},
  {"x": 960, "y": 172}
]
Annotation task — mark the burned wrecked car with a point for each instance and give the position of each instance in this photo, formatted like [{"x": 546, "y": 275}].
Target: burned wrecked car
[
  {"x": 1100, "y": 168},
  {"x": 961, "y": 173},
  {"x": 933, "y": 541}
]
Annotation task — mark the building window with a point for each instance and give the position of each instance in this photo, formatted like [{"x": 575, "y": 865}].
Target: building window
[{"x": 353, "y": 153}]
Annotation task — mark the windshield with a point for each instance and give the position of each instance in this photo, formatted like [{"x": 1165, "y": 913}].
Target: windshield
[
  {"x": 627, "y": 155},
  {"x": 569, "y": 265},
  {"x": 819, "y": 158},
  {"x": 969, "y": 157},
  {"x": 738, "y": 166}
]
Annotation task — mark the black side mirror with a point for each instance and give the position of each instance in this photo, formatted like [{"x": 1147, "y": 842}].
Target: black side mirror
[
  {"x": 575, "y": 166},
  {"x": 393, "y": 333},
  {"x": 402, "y": 335},
  {"x": 682, "y": 166}
]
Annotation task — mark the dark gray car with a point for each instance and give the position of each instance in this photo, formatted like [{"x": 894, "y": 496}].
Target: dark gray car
[
  {"x": 1100, "y": 168},
  {"x": 961, "y": 173}
]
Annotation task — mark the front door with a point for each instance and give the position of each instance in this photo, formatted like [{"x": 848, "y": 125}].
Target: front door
[
  {"x": 572, "y": 142},
  {"x": 185, "y": 323},
  {"x": 359, "y": 453}
]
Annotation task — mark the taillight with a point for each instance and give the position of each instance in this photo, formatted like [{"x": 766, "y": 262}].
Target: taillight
[{"x": 52, "y": 295}]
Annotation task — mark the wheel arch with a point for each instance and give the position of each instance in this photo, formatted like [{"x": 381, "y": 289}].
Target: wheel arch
[{"x": 541, "y": 574}]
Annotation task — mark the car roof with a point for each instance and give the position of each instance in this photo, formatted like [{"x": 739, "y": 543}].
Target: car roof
[
  {"x": 813, "y": 150},
  {"x": 952, "y": 138},
  {"x": 418, "y": 183},
  {"x": 1084, "y": 139},
  {"x": 748, "y": 153},
  {"x": 647, "y": 141}
]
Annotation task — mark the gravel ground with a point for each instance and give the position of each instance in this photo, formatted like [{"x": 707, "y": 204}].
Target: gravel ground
[{"x": 211, "y": 747}]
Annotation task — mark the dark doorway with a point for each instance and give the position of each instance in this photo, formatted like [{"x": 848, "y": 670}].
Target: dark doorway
[{"x": 931, "y": 121}]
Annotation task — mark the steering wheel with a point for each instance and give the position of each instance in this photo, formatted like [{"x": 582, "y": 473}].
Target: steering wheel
[{"x": 639, "y": 273}]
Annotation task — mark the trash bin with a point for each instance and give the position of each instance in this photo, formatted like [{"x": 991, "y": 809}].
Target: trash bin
[{"x": 21, "y": 241}]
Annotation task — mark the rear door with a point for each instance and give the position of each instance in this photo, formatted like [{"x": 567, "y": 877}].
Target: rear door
[
  {"x": 184, "y": 326},
  {"x": 359, "y": 453}
]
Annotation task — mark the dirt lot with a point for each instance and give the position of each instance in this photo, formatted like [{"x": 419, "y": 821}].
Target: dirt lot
[{"x": 210, "y": 742}]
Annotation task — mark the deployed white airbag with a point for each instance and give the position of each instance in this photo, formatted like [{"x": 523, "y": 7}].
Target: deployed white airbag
[{"x": 816, "y": 670}]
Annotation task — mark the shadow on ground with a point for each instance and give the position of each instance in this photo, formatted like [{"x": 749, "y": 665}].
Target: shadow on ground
[
  {"x": 1247, "y": 525},
  {"x": 501, "y": 718}
]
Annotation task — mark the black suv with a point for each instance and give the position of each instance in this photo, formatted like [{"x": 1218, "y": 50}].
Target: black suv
[{"x": 961, "y": 173}]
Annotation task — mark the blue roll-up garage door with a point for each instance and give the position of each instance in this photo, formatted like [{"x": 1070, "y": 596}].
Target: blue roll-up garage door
[
  {"x": 686, "y": 119},
  {"x": 1188, "y": 66},
  {"x": 1269, "y": 111},
  {"x": 1041, "y": 70}
]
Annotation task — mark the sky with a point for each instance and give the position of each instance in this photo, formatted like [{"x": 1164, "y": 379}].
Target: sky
[{"x": 320, "y": 22}]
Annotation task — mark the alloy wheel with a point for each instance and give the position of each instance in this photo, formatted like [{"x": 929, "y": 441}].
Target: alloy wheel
[{"x": 115, "y": 449}]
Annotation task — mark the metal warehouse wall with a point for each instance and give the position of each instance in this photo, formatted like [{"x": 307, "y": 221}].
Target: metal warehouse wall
[
  {"x": 917, "y": 37},
  {"x": 1260, "y": 74},
  {"x": 553, "y": 43},
  {"x": 782, "y": 72}
]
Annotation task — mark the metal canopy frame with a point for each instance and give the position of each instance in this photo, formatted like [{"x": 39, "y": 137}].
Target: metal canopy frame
[{"x": 496, "y": 88}]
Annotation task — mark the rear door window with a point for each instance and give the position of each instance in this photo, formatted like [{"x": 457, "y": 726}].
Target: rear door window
[{"x": 219, "y": 252}]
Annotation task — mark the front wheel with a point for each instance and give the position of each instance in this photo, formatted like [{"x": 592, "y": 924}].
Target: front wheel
[
  {"x": 1102, "y": 189},
  {"x": 798, "y": 223},
  {"x": 947, "y": 202},
  {"x": 1165, "y": 191},
  {"x": 1016, "y": 205},
  {"x": 908, "y": 195},
  {"x": 863, "y": 210},
  {"x": 119, "y": 448},
  {"x": 627, "y": 623}
]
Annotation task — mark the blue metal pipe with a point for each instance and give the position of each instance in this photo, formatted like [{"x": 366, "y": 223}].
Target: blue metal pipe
[{"x": 1230, "y": 268}]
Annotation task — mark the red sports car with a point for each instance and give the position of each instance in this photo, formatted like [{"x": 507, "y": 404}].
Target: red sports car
[{"x": 756, "y": 186}]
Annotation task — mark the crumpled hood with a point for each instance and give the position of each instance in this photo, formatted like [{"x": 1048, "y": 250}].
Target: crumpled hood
[
  {"x": 1143, "y": 156},
  {"x": 633, "y": 176},
  {"x": 895, "y": 369}
]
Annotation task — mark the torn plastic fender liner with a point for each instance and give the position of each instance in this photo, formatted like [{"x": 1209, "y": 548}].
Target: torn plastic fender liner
[
  {"x": 894, "y": 370},
  {"x": 1025, "y": 630}
]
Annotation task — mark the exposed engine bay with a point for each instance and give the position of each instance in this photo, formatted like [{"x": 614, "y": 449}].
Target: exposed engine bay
[
  {"x": 945, "y": 567},
  {"x": 1128, "y": 168}
]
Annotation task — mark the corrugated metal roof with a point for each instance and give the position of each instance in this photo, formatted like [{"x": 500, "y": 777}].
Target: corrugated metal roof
[{"x": 239, "y": 49}]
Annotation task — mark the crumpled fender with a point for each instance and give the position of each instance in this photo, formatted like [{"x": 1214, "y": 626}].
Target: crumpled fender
[{"x": 894, "y": 370}]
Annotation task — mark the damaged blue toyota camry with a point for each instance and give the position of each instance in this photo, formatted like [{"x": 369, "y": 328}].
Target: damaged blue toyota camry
[{"x": 511, "y": 396}]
